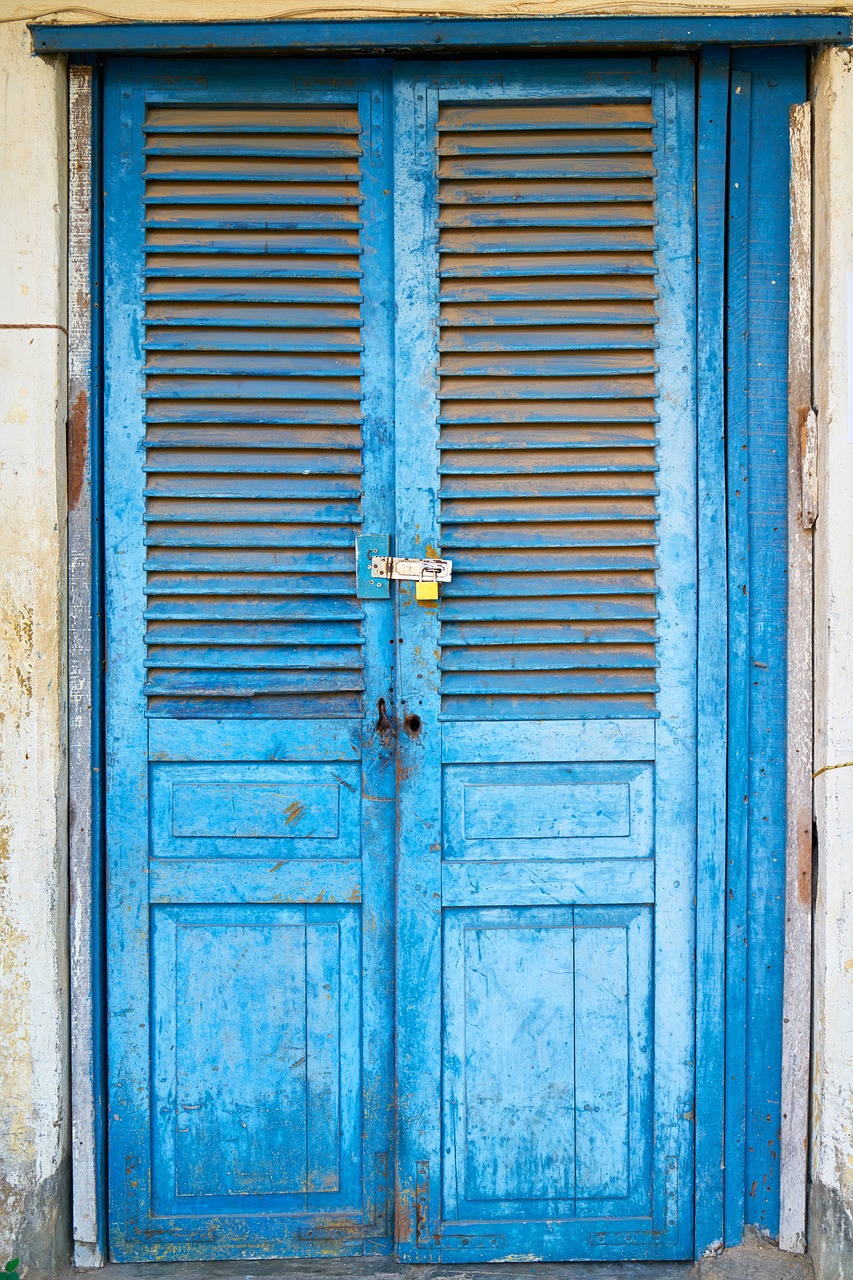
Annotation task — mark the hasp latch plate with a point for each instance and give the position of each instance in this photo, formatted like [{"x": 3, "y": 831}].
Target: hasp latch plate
[
  {"x": 426, "y": 574},
  {"x": 411, "y": 570}
]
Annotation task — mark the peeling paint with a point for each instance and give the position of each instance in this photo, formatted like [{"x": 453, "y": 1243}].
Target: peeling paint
[
  {"x": 33, "y": 896},
  {"x": 831, "y": 1218},
  {"x": 78, "y": 438}
]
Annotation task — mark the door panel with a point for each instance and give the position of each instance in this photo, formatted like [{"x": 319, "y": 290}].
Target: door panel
[
  {"x": 250, "y": 803},
  {"x": 266, "y": 1085},
  {"x": 546, "y": 430},
  {"x": 546, "y": 1011}
]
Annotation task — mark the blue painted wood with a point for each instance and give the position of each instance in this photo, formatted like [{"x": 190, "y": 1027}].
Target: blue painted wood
[
  {"x": 250, "y": 817},
  {"x": 129, "y": 1015},
  {"x": 613, "y": 1066},
  {"x": 98, "y": 637},
  {"x": 513, "y": 1163},
  {"x": 380, "y": 780},
  {"x": 592, "y": 881},
  {"x": 261, "y": 880},
  {"x": 739, "y": 681},
  {"x": 675, "y": 848},
  {"x": 501, "y": 1033},
  {"x": 403, "y": 35},
  {"x": 778, "y": 79},
  {"x": 712, "y": 149},
  {"x": 568, "y": 740}
]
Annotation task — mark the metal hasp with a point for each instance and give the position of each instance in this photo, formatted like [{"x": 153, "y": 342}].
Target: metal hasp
[
  {"x": 426, "y": 574},
  {"x": 411, "y": 570},
  {"x": 369, "y": 585}
]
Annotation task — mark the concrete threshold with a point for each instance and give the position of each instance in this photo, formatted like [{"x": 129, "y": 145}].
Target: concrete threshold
[
  {"x": 756, "y": 1260},
  {"x": 387, "y": 1269}
]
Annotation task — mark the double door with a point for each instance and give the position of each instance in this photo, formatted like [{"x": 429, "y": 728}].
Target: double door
[{"x": 401, "y": 890}]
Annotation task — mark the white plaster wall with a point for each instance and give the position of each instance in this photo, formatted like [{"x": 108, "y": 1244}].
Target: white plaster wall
[
  {"x": 33, "y": 802},
  {"x": 33, "y": 916},
  {"x": 832, "y": 1147}
]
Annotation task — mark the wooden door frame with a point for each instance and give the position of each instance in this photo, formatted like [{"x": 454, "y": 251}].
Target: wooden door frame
[{"x": 86, "y": 632}]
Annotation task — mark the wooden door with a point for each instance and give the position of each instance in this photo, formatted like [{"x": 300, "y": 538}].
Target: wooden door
[
  {"x": 546, "y": 439},
  {"x": 250, "y": 801}
]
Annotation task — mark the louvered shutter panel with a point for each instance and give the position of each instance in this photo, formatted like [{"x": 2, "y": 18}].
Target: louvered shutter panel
[
  {"x": 253, "y": 396},
  {"x": 547, "y": 391}
]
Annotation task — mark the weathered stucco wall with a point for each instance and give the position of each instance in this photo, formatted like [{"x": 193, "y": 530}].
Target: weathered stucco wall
[
  {"x": 249, "y": 10},
  {"x": 832, "y": 1151},
  {"x": 33, "y": 911}
]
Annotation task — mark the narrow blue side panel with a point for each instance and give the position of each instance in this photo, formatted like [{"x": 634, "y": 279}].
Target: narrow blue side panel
[
  {"x": 738, "y": 647},
  {"x": 777, "y": 79},
  {"x": 713, "y": 643}
]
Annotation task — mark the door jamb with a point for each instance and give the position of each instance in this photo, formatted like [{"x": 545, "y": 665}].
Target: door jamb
[{"x": 85, "y": 700}]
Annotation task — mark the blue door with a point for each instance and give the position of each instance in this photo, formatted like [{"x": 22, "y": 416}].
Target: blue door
[
  {"x": 250, "y": 799},
  {"x": 357, "y": 836},
  {"x": 546, "y": 437}
]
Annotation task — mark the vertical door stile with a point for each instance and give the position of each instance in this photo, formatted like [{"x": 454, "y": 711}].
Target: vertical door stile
[
  {"x": 419, "y": 971},
  {"x": 712, "y": 729},
  {"x": 739, "y": 679},
  {"x": 379, "y": 757},
  {"x": 126, "y": 746},
  {"x": 675, "y": 749}
]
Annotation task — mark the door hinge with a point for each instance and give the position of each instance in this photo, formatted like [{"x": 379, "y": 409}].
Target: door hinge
[{"x": 808, "y": 467}]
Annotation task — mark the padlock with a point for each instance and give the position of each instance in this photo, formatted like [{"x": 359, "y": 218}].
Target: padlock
[{"x": 426, "y": 590}]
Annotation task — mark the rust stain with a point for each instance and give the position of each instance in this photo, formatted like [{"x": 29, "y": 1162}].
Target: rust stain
[
  {"x": 293, "y": 812},
  {"x": 403, "y": 1216},
  {"x": 78, "y": 444},
  {"x": 804, "y": 856}
]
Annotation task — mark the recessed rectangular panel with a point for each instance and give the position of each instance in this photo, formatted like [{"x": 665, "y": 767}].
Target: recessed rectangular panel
[
  {"x": 323, "y": 1050},
  {"x": 613, "y": 1033},
  {"x": 509, "y": 1059},
  {"x": 254, "y": 810},
  {"x": 547, "y": 1099},
  {"x": 565, "y": 810},
  {"x": 601, "y": 995},
  {"x": 515, "y": 811},
  {"x": 240, "y": 1059},
  {"x": 256, "y": 1058},
  {"x": 251, "y": 810}
]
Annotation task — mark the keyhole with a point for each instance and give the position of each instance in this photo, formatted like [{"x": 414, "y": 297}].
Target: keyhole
[{"x": 413, "y": 724}]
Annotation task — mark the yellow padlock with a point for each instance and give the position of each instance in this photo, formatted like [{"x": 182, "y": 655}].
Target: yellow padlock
[{"x": 426, "y": 590}]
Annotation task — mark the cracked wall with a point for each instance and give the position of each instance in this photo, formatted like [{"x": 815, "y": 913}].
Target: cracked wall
[
  {"x": 33, "y": 910},
  {"x": 831, "y": 1223},
  {"x": 33, "y": 802}
]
